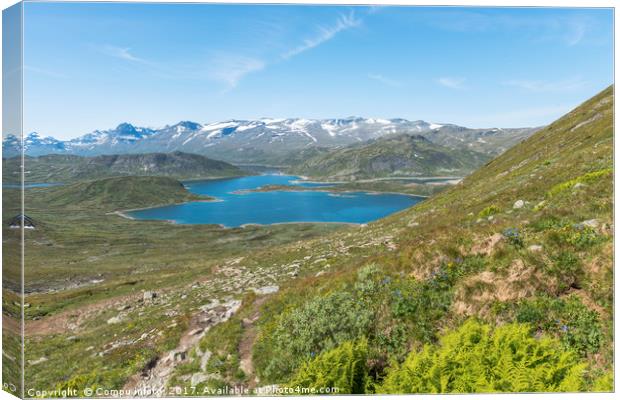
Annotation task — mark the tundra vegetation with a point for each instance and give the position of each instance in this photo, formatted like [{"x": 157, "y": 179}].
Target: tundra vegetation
[{"x": 502, "y": 282}]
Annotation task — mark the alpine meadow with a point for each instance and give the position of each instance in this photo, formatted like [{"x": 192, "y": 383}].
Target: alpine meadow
[{"x": 307, "y": 252}]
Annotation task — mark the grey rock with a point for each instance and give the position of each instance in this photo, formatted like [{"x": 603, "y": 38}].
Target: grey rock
[
  {"x": 266, "y": 290},
  {"x": 39, "y": 361},
  {"x": 198, "y": 377},
  {"x": 149, "y": 295},
  {"x": 204, "y": 359},
  {"x": 591, "y": 223},
  {"x": 115, "y": 320}
]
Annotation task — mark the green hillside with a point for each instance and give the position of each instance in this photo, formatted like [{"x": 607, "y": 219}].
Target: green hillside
[
  {"x": 399, "y": 155},
  {"x": 502, "y": 283},
  {"x": 117, "y": 193},
  {"x": 69, "y": 168}
]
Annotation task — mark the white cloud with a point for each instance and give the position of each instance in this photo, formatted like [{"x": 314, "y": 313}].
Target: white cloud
[
  {"x": 123, "y": 53},
  {"x": 569, "y": 30},
  {"x": 547, "y": 86},
  {"x": 343, "y": 23},
  {"x": 231, "y": 68},
  {"x": 384, "y": 80},
  {"x": 576, "y": 33},
  {"x": 452, "y": 82}
]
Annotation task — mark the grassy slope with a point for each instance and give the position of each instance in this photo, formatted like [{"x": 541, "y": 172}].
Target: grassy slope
[
  {"x": 472, "y": 235},
  {"x": 410, "y": 248},
  {"x": 399, "y": 155},
  {"x": 69, "y": 168},
  {"x": 118, "y": 193}
]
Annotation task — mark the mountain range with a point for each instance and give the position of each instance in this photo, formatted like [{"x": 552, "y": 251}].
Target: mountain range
[{"x": 264, "y": 141}]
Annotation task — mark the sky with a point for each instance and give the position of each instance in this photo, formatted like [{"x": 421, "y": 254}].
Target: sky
[{"x": 91, "y": 66}]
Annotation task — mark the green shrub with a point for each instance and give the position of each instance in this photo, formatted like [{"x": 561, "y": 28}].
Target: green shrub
[
  {"x": 490, "y": 210},
  {"x": 548, "y": 222},
  {"x": 577, "y": 327},
  {"x": 582, "y": 237},
  {"x": 422, "y": 304},
  {"x": 476, "y": 359},
  {"x": 343, "y": 367},
  {"x": 577, "y": 237},
  {"x": 586, "y": 178},
  {"x": 566, "y": 268},
  {"x": 320, "y": 324}
]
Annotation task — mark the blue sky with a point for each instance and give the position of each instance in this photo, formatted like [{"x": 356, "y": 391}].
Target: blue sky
[{"x": 91, "y": 66}]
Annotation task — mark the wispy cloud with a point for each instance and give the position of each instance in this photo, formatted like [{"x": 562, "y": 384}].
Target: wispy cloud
[
  {"x": 124, "y": 53},
  {"x": 452, "y": 82},
  {"x": 231, "y": 68},
  {"x": 569, "y": 30},
  {"x": 576, "y": 33},
  {"x": 384, "y": 80},
  {"x": 548, "y": 86},
  {"x": 325, "y": 34}
]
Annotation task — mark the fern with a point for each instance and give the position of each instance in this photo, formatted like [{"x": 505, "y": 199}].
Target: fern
[
  {"x": 343, "y": 367},
  {"x": 476, "y": 359}
]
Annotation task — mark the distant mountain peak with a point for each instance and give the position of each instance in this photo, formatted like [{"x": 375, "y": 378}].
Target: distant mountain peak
[
  {"x": 125, "y": 127},
  {"x": 266, "y": 140},
  {"x": 189, "y": 125}
]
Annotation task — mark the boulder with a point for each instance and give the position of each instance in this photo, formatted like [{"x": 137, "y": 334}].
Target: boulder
[
  {"x": 266, "y": 290},
  {"x": 115, "y": 320},
  {"x": 149, "y": 295},
  {"x": 197, "y": 378}
]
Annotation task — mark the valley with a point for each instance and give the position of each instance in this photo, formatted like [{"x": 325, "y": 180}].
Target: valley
[{"x": 519, "y": 250}]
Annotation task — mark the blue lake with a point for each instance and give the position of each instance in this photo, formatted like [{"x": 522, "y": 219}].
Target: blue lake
[
  {"x": 29, "y": 185},
  {"x": 236, "y": 207}
]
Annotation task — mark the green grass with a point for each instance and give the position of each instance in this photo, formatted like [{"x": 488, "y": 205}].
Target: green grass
[
  {"x": 419, "y": 274},
  {"x": 571, "y": 259},
  {"x": 114, "y": 193}
]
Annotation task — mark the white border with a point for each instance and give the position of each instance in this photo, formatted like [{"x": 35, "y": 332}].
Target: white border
[{"x": 501, "y": 3}]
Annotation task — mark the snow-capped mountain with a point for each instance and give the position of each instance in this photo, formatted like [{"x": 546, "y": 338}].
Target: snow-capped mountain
[
  {"x": 104, "y": 142},
  {"x": 266, "y": 140},
  {"x": 34, "y": 145}
]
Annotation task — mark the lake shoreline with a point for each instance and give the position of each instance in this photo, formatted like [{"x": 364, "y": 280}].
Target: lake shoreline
[
  {"x": 293, "y": 188},
  {"x": 245, "y": 208}
]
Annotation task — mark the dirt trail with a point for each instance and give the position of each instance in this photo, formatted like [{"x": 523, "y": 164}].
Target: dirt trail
[
  {"x": 70, "y": 320},
  {"x": 247, "y": 341},
  {"x": 153, "y": 379}
]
